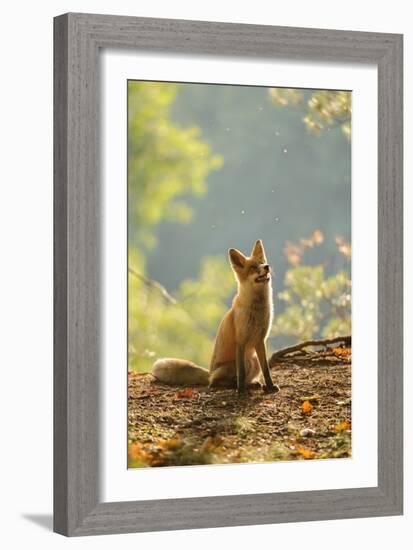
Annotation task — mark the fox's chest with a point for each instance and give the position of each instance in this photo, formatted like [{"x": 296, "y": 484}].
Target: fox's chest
[{"x": 252, "y": 323}]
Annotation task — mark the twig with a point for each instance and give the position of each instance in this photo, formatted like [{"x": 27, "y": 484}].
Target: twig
[
  {"x": 154, "y": 284},
  {"x": 298, "y": 347}
]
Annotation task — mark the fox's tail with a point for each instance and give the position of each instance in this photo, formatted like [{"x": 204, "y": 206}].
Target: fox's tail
[{"x": 179, "y": 372}]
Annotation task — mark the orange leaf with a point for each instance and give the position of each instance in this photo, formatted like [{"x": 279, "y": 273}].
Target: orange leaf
[
  {"x": 343, "y": 426},
  {"x": 306, "y": 407},
  {"x": 186, "y": 393},
  {"x": 308, "y": 454},
  {"x": 342, "y": 352},
  {"x": 137, "y": 453},
  {"x": 170, "y": 444}
]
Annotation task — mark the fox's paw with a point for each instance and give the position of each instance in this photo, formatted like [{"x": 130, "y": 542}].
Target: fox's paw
[{"x": 271, "y": 389}]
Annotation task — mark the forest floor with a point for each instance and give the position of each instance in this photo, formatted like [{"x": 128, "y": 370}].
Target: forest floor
[{"x": 309, "y": 418}]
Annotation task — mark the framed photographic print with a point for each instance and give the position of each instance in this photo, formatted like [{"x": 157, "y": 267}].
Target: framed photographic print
[{"x": 228, "y": 274}]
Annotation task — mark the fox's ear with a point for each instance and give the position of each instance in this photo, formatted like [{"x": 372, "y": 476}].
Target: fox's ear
[
  {"x": 258, "y": 252},
  {"x": 236, "y": 258}
]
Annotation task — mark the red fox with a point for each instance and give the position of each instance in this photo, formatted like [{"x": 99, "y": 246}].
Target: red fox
[{"x": 239, "y": 358}]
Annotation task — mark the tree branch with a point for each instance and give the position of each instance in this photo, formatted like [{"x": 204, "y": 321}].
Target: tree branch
[
  {"x": 307, "y": 343},
  {"x": 151, "y": 283},
  {"x": 154, "y": 284}
]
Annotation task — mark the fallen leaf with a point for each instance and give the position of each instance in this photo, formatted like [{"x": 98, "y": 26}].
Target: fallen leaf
[
  {"x": 306, "y": 407},
  {"x": 343, "y": 426},
  {"x": 188, "y": 393},
  {"x": 137, "y": 453},
  {"x": 308, "y": 454},
  {"x": 343, "y": 353},
  {"x": 314, "y": 397},
  {"x": 170, "y": 444}
]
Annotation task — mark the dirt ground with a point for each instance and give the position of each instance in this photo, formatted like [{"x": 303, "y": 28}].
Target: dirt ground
[{"x": 310, "y": 418}]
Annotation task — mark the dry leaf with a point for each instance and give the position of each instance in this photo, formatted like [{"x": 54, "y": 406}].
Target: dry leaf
[
  {"x": 314, "y": 397},
  {"x": 306, "y": 407},
  {"x": 170, "y": 444},
  {"x": 137, "y": 453},
  {"x": 343, "y": 353},
  {"x": 308, "y": 454},
  {"x": 187, "y": 393},
  {"x": 343, "y": 426}
]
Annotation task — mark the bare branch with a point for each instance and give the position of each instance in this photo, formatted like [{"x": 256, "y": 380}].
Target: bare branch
[
  {"x": 307, "y": 343},
  {"x": 154, "y": 284},
  {"x": 151, "y": 283}
]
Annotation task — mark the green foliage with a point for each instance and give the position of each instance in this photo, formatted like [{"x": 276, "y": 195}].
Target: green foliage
[
  {"x": 165, "y": 162},
  {"x": 316, "y": 304},
  {"x": 286, "y": 96},
  {"x": 325, "y": 108},
  {"x": 184, "y": 327}
]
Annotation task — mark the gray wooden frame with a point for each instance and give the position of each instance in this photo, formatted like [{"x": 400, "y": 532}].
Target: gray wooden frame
[{"x": 78, "y": 39}]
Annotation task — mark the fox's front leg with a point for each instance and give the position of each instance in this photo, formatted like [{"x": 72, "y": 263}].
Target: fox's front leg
[
  {"x": 262, "y": 356},
  {"x": 240, "y": 364}
]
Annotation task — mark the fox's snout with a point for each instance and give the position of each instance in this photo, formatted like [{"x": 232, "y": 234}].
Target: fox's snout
[{"x": 263, "y": 271}]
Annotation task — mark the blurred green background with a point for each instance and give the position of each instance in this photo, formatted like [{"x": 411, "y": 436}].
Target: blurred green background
[{"x": 212, "y": 167}]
